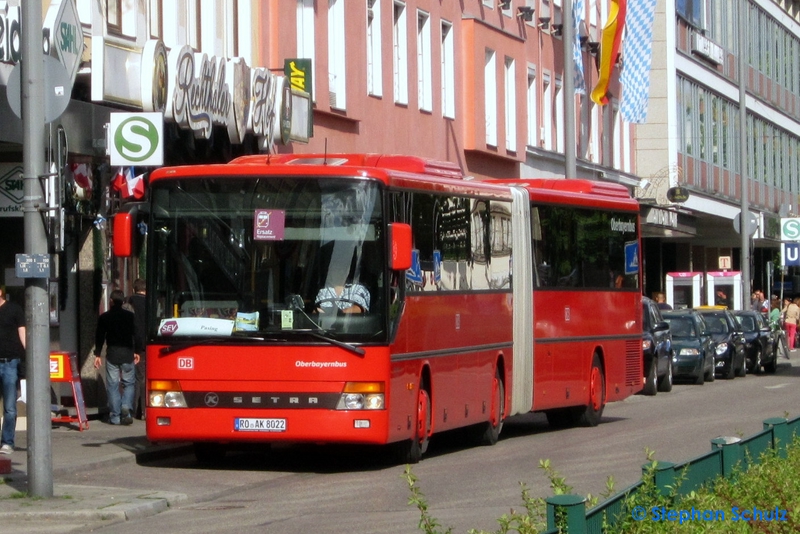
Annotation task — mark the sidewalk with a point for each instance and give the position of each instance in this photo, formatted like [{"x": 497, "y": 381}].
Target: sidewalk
[{"x": 73, "y": 451}]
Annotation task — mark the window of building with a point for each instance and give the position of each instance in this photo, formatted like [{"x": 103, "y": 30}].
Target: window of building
[
  {"x": 559, "y": 122},
  {"x": 374, "y": 56},
  {"x": 511, "y": 104},
  {"x": 181, "y": 23},
  {"x": 220, "y": 28},
  {"x": 693, "y": 11},
  {"x": 595, "y": 154},
  {"x": 490, "y": 96},
  {"x": 154, "y": 17},
  {"x": 192, "y": 21},
  {"x": 448, "y": 72},
  {"x": 120, "y": 20},
  {"x": 616, "y": 128},
  {"x": 547, "y": 113},
  {"x": 424, "y": 68},
  {"x": 400, "y": 56},
  {"x": 336, "y": 55},
  {"x": 306, "y": 35},
  {"x": 625, "y": 148},
  {"x": 533, "y": 109}
]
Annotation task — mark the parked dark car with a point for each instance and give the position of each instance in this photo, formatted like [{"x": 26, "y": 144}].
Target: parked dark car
[
  {"x": 656, "y": 349},
  {"x": 729, "y": 355},
  {"x": 759, "y": 341},
  {"x": 692, "y": 344}
]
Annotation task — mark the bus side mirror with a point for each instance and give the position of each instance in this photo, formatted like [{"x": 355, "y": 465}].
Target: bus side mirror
[
  {"x": 400, "y": 240},
  {"x": 124, "y": 224}
]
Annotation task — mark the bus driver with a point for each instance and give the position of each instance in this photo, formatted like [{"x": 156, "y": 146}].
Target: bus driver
[{"x": 340, "y": 290}]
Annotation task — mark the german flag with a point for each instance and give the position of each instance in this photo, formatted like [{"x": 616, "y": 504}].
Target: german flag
[{"x": 609, "y": 49}]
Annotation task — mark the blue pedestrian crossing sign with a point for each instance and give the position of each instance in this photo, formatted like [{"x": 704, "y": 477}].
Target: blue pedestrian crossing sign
[
  {"x": 632, "y": 257},
  {"x": 790, "y": 254}
]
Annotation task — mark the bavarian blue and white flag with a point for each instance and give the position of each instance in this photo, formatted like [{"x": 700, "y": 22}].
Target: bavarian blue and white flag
[
  {"x": 637, "y": 53},
  {"x": 577, "y": 18}
]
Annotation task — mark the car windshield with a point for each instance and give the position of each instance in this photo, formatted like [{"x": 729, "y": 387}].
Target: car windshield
[
  {"x": 267, "y": 257},
  {"x": 681, "y": 326},
  {"x": 748, "y": 323},
  {"x": 717, "y": 324}
]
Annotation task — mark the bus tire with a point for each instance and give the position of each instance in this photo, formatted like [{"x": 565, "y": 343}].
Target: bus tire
[
  {"x": 209, "y": 453},
  {"x": 593, "y": 412},
  {"x": 490, "y": 430},
  {"x": 410, "y": 451}
]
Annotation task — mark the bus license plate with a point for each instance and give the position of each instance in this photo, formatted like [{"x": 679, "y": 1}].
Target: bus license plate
[{"x": 251, "y": 424}]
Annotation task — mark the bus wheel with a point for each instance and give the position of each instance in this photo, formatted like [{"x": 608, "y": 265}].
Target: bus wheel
[
  {"x": 209, "y": 453},
  {"x": 490, "y": 430},
  {"x": 597, "y": 395},
  {"x": 411, "y": 451}
]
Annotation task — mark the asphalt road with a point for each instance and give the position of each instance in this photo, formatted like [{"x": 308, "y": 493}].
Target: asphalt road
[{"x": 345, "y": 490}]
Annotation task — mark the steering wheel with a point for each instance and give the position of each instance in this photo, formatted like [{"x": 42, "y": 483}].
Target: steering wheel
[{"x": 335, "y": 301}]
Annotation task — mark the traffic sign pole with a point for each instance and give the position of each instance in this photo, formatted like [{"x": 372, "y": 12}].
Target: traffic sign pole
[{"x": 37, "y": 308}]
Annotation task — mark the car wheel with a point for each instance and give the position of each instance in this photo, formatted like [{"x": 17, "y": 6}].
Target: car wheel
[
  {"x": 742, "y": 369},
  {"x": 700, "y": 379},
  {"x": 730, "y": 370},
  {"x": 650, "y": 387},
  {"x": 755, "y": 365},
  {"x": 665, "y": 382},
  {"x": 711, "y": 373}
]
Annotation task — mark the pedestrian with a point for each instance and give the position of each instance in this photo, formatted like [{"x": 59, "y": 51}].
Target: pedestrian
[
  {"x": 661, "y": 301},
  {"x": 758, "y": 302},
  {"x": 137, "y": 302},
  {"x": 12, "y": 351},
  {"x": 774, "y": 310},
  {"x": 116, "y": 330},
  {"x": 791, "y": 316}
]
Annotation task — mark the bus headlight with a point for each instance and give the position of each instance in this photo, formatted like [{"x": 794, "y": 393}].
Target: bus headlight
[
  {"x": 362, "y": 396},
  {"x": 166, "y": 394}
]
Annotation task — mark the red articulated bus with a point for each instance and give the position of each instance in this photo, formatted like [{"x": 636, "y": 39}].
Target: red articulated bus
[{"x": 379, "y": 299}]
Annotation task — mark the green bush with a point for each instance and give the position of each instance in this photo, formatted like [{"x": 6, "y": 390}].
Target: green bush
[{"x": 763, "y": 499}]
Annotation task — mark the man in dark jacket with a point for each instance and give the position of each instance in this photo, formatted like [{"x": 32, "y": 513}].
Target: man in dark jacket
[{"x": 115, "y": 329}]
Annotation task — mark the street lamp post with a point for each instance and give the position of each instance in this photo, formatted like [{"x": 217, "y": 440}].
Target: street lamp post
[
  {"x": 37, "y": 309},
  {"x": 745, "y": 182}
]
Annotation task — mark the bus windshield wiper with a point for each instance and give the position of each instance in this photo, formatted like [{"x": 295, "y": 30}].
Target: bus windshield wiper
[
  {"x": 323, "y": 335},
  {"x": 169, "y": 349}
]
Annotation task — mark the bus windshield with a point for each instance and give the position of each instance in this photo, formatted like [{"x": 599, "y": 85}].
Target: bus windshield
[{"x": 267, "y": 258}]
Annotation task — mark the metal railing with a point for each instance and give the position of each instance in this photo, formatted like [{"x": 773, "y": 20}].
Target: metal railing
[{"x": 727, "y": 454}]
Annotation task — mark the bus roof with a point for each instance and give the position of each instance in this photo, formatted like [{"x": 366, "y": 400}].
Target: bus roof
[
  {"x": 574, "y": 191},
  {"x": 413, "y": 172},
  {"x": 412, "y": 164}
]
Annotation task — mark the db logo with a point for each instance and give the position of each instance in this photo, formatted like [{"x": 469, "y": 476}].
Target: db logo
[
  {"x": 185, "y": 363},
  {"x": 169, "y": 328}
]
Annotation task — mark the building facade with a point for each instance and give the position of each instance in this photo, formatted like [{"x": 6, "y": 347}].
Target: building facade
[{"x": 692, "y": 136}]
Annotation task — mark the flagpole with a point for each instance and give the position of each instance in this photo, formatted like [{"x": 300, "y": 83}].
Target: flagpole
[{"x": 568, "y": 35}]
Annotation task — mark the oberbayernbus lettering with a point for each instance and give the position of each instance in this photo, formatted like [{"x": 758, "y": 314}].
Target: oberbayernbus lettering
[{"x": 300, "y": 363}]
